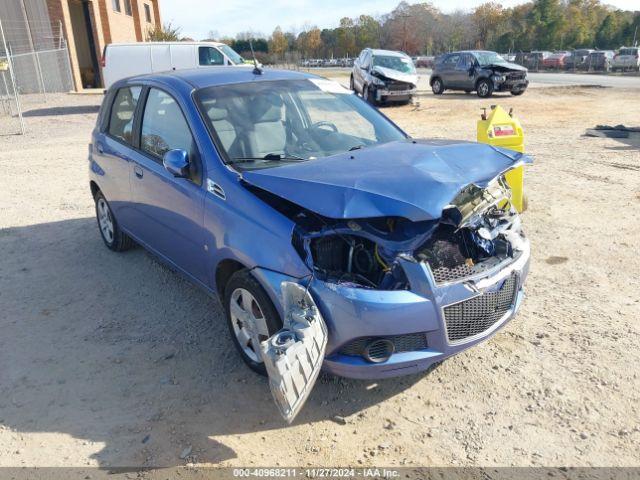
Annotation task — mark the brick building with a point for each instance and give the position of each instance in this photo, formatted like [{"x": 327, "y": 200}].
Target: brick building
[{"x": 90, "y": 25}]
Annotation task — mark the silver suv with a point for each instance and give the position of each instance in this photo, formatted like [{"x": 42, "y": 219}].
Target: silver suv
[
  {"x": 627, "y": 59},
  {"x": 382, "y": 76}
]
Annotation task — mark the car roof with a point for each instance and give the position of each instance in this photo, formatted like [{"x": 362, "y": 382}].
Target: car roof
[{"x": 213, "y": 76}]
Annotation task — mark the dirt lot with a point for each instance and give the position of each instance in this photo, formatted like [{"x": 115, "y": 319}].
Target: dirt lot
[{"x": 113, "y": 360}]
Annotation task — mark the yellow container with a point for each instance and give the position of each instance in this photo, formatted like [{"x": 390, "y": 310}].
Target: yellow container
[{"x": 502, "y": 129}]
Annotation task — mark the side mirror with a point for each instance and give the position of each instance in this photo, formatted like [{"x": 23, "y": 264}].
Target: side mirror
[{"x": 177, "y": 163}]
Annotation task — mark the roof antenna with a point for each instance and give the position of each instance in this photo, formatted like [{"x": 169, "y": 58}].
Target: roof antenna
[{"x": 257, "y": 68}]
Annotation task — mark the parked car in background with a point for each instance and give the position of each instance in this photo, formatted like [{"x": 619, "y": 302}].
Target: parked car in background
[
  {"x": 424, "y": 61},
  {"x": 384, "y": 76},
  {"x": 535, "y": 59},
  {"x": 578, "y": 59},
  {"x": 555, "y": 61},
  {"x": 601, "y": 60},
  {"x": 627, "y": 58},
  {"x": 481, "y": 71},
  {"x": 121, "y": 60},
  {"x": 332, "y": 238}
]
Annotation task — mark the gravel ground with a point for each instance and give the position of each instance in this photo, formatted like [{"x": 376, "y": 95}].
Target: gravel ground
[{"x": 113, "y": 360}]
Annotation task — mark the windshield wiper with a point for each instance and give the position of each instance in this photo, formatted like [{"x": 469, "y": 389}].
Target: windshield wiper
[{"x": 269, "y": 157}]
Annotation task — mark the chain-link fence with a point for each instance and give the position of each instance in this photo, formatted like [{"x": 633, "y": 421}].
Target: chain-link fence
[
  {"x": 39, "y": 54},
  {"x": 34, "y": 60},
  {"x": 11, "y": 121}
]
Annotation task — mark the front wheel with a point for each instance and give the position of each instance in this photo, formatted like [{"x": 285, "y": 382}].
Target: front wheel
[
  {"x": 437, "y": 87},
  {"x": 484, "y": 88},
  {"x": 352, "y": 85},
  {"x": 247, "y": 305},
  {"x": 369, "y": 95},
  {"x": 114, "y": 238}
]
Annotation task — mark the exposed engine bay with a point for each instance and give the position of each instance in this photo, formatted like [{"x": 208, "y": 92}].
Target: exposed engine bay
[{"x": 478, "y": 230}]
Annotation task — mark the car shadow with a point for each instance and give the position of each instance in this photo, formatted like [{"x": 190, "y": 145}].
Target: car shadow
[
  {"x": 472, "y": 95},
  {"x": 123, "y": 353},
  {"x": 56, "y": 111}
]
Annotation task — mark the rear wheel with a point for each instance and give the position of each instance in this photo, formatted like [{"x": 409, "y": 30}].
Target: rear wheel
[
  {"x": 114, "y": 238},
  {"x": 352, "y": 85},
  {"x": 247, "y": 303},
  {"x": 484, "y": 88},
  {"x": 437, "y": 87},
  {"x": 517, "y": 92}
]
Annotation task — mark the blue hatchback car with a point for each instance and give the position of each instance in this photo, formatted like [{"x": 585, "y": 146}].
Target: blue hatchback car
[{"x": 308, "y": 212}]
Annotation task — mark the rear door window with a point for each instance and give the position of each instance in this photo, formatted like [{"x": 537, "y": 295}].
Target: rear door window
[
  {"x": 451, "y": 60},
  {"x": 164, "y": 127},
  {"x": 122, "y": 114},
  {"x": 210, "y": 56}
]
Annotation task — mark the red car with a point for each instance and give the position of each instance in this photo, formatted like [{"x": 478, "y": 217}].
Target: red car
[{"x": 555, "y": 60}]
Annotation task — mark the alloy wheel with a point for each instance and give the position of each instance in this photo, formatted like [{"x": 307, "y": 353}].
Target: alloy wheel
[
  {"x": 245, "y": 310},
  {"x": 105, "y": 221}
]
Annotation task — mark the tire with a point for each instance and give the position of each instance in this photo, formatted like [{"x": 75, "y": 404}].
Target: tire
[
  {"x": 240, "y": 284},
  {"x": 517, "y": 93},
  {"x": 352, "y": 85},
  {"x": 484, "y": 88},
  {"x": 114, "y": 238},
  {"x": 437, "y": 87},
  {"x": 369, "y": 95}
]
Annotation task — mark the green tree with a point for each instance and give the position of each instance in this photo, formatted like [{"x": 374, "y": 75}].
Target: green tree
[
  {"x": 164, "y": 33},
  {"x": 547, "y": 19}
]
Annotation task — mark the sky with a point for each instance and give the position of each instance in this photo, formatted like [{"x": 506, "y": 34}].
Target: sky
[{"x": 226, "y": 18}]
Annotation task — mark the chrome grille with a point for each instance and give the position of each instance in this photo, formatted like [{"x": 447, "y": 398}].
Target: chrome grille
[
  {"x": 476, "y": 315},
  {"x": 402, "y": 343},
  {"x": 458, "y": 272}
]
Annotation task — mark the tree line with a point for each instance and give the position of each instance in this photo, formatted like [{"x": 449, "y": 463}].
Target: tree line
[{"x": 423, "y": 29}]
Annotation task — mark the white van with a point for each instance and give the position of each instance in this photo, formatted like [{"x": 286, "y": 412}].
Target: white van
[{"x": 122, "y": 60}]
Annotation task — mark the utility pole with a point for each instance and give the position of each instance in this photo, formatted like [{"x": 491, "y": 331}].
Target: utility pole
[{"x": 404, "y": 31}]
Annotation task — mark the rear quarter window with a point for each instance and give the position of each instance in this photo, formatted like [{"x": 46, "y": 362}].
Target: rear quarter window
[{"x": 122, "y": 114}]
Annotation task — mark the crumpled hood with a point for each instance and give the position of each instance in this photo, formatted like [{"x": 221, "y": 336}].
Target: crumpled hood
[
  {"x": 507, "y": 67},
  {"x": 396, "y": 75},
  {"x": 402, "y": 178}
]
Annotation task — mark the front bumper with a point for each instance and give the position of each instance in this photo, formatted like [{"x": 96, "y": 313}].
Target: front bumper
[
  {"x": 384, "y": 94},
  {"x": 353, "y": 313},
  {"x": 509, "y": 86}
]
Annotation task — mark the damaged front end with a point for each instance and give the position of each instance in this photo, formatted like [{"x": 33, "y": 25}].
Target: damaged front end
[
  {"x": 479, "y": 229},
  {"x": 472, "y": 258}
]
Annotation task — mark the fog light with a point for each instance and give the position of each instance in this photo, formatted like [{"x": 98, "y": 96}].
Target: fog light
[{"x": 378, "y": 351}]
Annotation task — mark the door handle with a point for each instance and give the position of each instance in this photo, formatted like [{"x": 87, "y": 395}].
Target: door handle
[{"x": 138, "y": 171}]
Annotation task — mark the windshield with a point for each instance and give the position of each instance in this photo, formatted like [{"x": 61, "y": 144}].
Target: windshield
[
  {"x": 231, "y": 54},
  {"x": 489, "y": 58},
  {"x": 400, "y": 64},
  {"x": 263, "y": 124}
]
